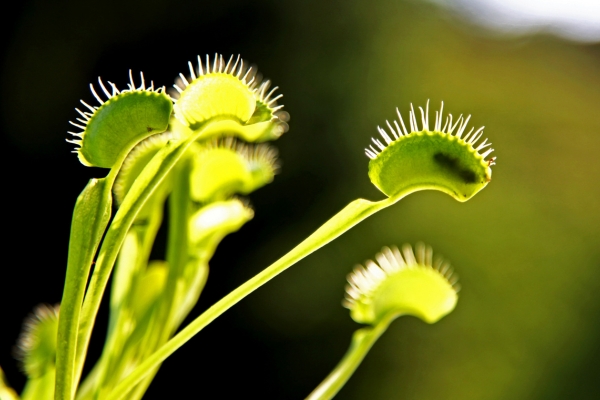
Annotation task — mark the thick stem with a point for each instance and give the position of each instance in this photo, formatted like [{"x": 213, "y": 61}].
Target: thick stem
[
  {"x": 351, "y": 215},
  {"x": 111, "y": 245},
  {"x": 133, "y": 261},
  {"x": 40, "y": 388},
  {"x": 90, "y": 217},
  {"x": 177, "y": 251},
  {"x": 177, "y": 247},
  {"x": 362, "y": 341},
  {"x": 143, "y": 187}
]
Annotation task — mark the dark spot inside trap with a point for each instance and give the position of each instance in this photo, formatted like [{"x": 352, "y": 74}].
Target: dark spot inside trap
[
  {"x": 452, "y": 164},
  {"x": 149, "y": 129}
]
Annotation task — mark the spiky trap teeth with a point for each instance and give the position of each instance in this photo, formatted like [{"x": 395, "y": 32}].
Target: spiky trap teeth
[
  {"x": 448, "y": 128},
  {"x": 231, "y": 88},
  {"x": 86, "y": 116},
  {"x": 137, "y": 159},
  {"x": 244, "y": 73},
  {"x": 402, "y": 283},
  {"x": 447, "y": 158},
  {"x": 119, "y": 122},
  {"x": 36, "y": 346},
  {"x": 227, "y": 166},
  {"x": 258, "y": 157}
]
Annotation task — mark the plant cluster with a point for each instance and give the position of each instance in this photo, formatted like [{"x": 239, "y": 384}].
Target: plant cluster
[{"x": 196, "y": 151}]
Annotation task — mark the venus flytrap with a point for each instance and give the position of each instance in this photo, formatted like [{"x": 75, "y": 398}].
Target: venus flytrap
[
  {"x": 207, "y": 227},
  {"x": 397, "y": 284},
  {"x": 229, "y": 89},
  {"x": 191, "y": 155},
  {"x": 424, "y": 159},
  {"x": 443, "y": 161},
  {"x": 36, "y": 350},
  {"x": 136, "y": 161},
  {"x": 207, "y": 223},
  {"x": 207, "y": 120},
  {"x": 158, "y": 329},
  {"x": 135, "y": 256},
  {"x": 131, "y": 272},
  {"x": 108, "y": 134},
  {"x": 145, "y": 296},
  {"x": 222, "y": 168},
  {"x": 148, "y": 220},
  {"x": 110, "y": 130}
]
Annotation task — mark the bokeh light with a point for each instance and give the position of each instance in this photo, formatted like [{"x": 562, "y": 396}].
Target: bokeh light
[{"x": 572, "y": 19}]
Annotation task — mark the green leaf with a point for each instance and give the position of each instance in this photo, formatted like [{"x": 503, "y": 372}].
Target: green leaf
[
  {"x": 259, "y": 132},
  {"x": 37, "y": 342},
  {"x": 230, "y": 90},
  {"x": 351, "y": 215},
  {"x": 121, "y": 122},
  {"x": 127, "y": 268},
  {"x": 148, "y": 287},
  {"x": 420, "y": 159},
  {"x": 401, "y": 284},
  {"x": 217, "y": 173},
  {"x": 41, "y": 388},
  {"x": 90, "y": 217},
  {"x": 430, "y": 160},
  {"x": 226, "y": 167},
  {"x": 212, "y": 95},
  {"x": 136, "y": 160},
  {"x": 141, "y": 190},
  {"x": 213, "y": 222}
]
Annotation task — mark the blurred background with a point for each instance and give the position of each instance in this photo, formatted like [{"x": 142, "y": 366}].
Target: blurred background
[{"x": 527, "y": 325}]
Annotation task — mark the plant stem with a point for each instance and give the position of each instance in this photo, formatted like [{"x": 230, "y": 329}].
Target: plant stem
[
  {"x": 362, "y": 341},
  {"x": 143, "y": 187},
  {"x": 177, "y": 249},
  {"x": 351, "y": 215},
  {"x": 90, "y": 218},
  {"x": 177, "y": 253},
  {"x": 132, "y": 262},
  {"x": 40, "y": 388},
  {"x": 115, "y": 235}
]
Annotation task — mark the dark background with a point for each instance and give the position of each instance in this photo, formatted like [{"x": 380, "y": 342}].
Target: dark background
[{"x": 527, "y": 325}]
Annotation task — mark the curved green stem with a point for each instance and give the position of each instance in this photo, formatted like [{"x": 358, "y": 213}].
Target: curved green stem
[
  {"x": 90, "y": 218},
  {"x": 40, "y": 388},
  {"x": 362, "y": 341},
  {"x": 177, "y": 247},
  {"x": 115, "y": 235},
  {"x": 143, "y": 187},
  {"x": 133, "y": 260},
  {"x": 349, "y": 216},
  {"x": 177, "y": 251}
]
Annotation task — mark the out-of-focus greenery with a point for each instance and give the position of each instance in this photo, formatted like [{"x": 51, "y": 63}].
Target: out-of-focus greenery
[{"x": 527, "y": 323}]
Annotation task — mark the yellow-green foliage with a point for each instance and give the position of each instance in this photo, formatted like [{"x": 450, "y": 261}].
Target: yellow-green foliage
[
  {"x": 421, "y": 159},
  {"x": 37, "y": 343},
  {"x": 401, "y": 285}
]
